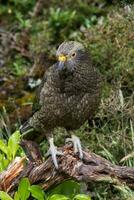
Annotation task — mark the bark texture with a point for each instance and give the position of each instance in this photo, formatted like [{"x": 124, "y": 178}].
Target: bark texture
[{"x": 93, "y": 168}]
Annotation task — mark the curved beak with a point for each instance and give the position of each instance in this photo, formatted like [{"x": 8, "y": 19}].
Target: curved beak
[{"x": 61, "y": 58}]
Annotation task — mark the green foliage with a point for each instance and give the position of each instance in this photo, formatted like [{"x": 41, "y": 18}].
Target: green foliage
[
  {"x": 10, "y": 7},
  {"x": 60, "y": 18},
  {"x": 9, "y": 150},
  {"x": 82, "y": 197},
  {"x": 36, "y": 192},
  {"x": 126, "y": 192},
  {"x": 62, "y": 197},
  {"x": 23, "y": 23},
  {"x": 18, "y": 67},
  {"x": 69, "y": 188},
  {"x": 111, "y": 44},
  {"x": 61, "y": 22},
  {"x": 57, "y": 197},
  {"x": 25, "y": 190},
  {"x": 64, "y": 23},
  {"x": 5, "y": 196}
]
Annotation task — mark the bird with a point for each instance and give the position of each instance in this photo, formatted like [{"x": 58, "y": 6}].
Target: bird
[{"x": 68, "y": 95}]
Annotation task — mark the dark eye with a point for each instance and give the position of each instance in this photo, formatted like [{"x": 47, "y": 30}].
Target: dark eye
[{"x": 73, "y": 54}]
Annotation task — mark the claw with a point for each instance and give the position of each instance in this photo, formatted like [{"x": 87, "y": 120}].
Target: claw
[
  {"x": 53, "y": 152},
  {"x": 77, "y": 145}
]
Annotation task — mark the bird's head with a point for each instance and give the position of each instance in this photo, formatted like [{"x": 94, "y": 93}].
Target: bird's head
[{"x": 71, "y": 55}]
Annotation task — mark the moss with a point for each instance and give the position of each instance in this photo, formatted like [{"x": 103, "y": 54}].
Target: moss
[{"x": 112, "y": 48}]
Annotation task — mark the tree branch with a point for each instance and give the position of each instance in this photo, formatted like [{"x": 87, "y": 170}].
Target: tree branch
[{"x": 93, "y": 168}]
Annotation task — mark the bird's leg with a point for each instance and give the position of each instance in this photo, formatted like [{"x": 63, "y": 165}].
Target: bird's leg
[
  {"x": 53, "y": 151},
  {"x": 76, "y": 144}
]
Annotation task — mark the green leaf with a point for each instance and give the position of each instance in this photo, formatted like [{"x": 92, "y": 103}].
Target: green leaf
[
  {"x": 68, "y": 188},
  {"x": 16, "y": 196},
  {"x": 37, "y": 192},
  {"x": 58, "y": 197},
  {"x": 23, "y": 189},
  {"x": 3, "y": 162},
  {"x": 3, "y": 147},
  {"x": 4, "y": 196},
  {"x": 13, "y": 144},
  {"x": 82, "y": 197}
]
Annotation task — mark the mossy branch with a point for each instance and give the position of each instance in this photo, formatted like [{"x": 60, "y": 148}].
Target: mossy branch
[{"x": 93, "y": 168}]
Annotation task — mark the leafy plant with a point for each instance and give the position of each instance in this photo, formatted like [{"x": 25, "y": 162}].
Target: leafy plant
[
  {"x": 59, "y": 18},
  {"x": 13, "y": 6},
  {"x": 82, "y": 197},
  {"x": 69, "y": 188},
  {"x": 8, "y": 150},
  {"x": 61, "y": 22},
  {"x": 57, "y": 197},
  {"x": 19, "y": 65},
  {"x": 24, "y": 23},
  {"x": 25, "y": 190}
]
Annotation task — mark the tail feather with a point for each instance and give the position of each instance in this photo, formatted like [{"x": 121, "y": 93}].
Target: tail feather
[
  {"x": 29, "y": 133},
  {"x": 25, "y": 128}
]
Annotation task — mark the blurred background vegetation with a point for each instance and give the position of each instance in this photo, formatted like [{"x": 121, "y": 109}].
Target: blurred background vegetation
[{"x": 30, "y": 32}]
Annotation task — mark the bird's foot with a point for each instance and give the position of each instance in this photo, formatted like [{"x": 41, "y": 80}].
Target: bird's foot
[
  {"x": 53, "y": 152},
  {"x": 76, "y": 144}
]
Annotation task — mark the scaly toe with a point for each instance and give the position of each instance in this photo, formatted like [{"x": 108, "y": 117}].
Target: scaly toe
[
  {"x": 76, "y": 144},
  {"x": 67, "y": 140},
  {"x": 53, "y": 152}
]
